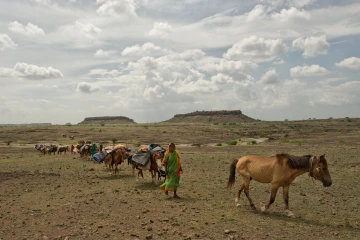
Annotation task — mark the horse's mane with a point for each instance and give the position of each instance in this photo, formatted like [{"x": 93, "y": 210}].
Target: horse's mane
[{"x": 295, "y": 161}]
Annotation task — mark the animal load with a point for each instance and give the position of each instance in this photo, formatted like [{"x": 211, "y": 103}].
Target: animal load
[
  {"x": 142, "y": 157},
  {"x": 99, "y": 157}
]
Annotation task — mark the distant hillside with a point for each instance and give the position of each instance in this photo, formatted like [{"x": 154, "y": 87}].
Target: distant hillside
[
  {"x": 107, "y": 120},
  {"x": 223, "y": 116}
]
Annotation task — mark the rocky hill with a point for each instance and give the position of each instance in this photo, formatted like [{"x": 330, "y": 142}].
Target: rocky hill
[
  {"x": 107, "y": 120},
  {"x": 235, "y": 116}
]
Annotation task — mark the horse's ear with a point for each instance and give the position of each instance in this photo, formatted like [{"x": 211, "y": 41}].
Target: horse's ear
[{"x": 322, "y": 157}]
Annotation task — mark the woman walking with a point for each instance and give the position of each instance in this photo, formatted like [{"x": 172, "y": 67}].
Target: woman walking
[{"x": 173, "y": 170}]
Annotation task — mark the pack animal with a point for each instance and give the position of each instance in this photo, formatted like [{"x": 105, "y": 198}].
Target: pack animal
[{"x": 153, "y": 165}]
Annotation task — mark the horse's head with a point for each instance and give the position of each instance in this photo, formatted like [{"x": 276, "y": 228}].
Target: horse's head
[{"x": 319, "y": 170}]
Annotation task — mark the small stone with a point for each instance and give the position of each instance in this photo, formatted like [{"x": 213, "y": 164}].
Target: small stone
[
  {"x": 45, "y": 237},
  {"x": 149, "y": 236},
  {"x": 227, "y": 231},
  {"x": 149, "y": 228}
]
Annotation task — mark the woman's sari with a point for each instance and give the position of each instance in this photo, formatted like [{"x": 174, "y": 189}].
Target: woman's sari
[{"x": 173, "y": 167}]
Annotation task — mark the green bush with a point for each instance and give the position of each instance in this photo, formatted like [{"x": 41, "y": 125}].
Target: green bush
[
  {"x": 219, "y": 144},
  {"x": 232, "y": 143},
  {"x": 137, "y": 144}
]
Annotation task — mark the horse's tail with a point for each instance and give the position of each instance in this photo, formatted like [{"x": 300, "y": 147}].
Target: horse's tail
[
  {"x": 129, "y": 159},
  {"x": 232, "y": 173}
]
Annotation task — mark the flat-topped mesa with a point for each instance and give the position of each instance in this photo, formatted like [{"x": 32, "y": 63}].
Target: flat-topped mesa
[
  {"x": 223, "y": 116},
  {"x": 210, "y": 113},
  {"x": 107, "y": 120}
]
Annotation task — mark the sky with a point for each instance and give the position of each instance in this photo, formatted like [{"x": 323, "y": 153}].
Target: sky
[{"x": 64, "y": 60}]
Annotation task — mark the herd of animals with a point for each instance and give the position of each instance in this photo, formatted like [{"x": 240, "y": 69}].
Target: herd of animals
[
  {"x": 113, "y": 156},
  {"x": 280, "y": 170}
]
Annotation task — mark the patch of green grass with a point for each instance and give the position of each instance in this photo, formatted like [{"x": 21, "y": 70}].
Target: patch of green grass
[{"x": 232, "y": 143}]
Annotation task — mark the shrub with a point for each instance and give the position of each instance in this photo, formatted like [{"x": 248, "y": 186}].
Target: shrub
[
  {"x": 137, "y": 144},
  {"x": 103, "y": 124},
  {"x": 216, "y": 123},
  {"x": 232, "y": 143},
  {"x": 113, "y": 141},
  {"x": 219, "y": 144}
]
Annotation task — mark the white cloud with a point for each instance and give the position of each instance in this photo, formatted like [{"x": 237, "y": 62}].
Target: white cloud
[
  {"x": 35, "y": 72},
  {"x": 85, "y": 87},
  {"x": 270, "y": 77},
  {"x": 312, "y": 46},
  {"x": 79, "y": 29},
  {"x": 29, "y": 71},
  {"x": 291, "y": 14},
  {"x": 238, "y": 70},
  {"x": 28, "y": 30},
  {"x": 117, "y": 7},
  {"x": 351, "y": 63},
  {"x": 308, "y": 71},
  {"x": 257, "y": 12},
  {"x": 146, "y": 49},
  {"x": 160, "y": 29},
  {"x": 6, "y": 42},
  {"x": 256, "y": 49},
  {"x": 346, "y": 93},
  {"x": 222, "y": 79},
  {"x": 194, "y": 54},
  {"x": 104, "y": 53}
]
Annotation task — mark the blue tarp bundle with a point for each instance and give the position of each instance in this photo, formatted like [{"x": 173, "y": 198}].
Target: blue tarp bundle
[{"x": 99, "y": 157}]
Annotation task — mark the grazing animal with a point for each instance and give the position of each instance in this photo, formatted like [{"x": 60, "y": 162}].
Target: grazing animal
[
  {"x": 63, "y": 149},
  {"x": 114, "y": 158},
  {"x": 279, "y": 170},
  {"x": 153, "y": 165}
]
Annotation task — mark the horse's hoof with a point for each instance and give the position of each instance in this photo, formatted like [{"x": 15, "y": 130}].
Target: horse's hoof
[
  {"x": 236, "y": 199},
  {"x": 263, "y": 209},
  {"x": 289, "y": 214},
  {"x": 238, "y": 205}
]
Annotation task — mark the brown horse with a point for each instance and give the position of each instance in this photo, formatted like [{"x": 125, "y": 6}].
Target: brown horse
[
  {"x": 115, "y": 157},
  {"x": 153, "y": 165},
  {"x": 85, "y": 150},
  {"x": 63, "y": 149},
  {"x": 279, "y": 170}
]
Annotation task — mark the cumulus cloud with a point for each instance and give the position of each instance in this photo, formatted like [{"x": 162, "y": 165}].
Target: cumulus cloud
[
  {"x": 160, "y": 29},
  {"x": 312, "y": 46},
  {"x": 28, "y": 30},
  {"x": 256, "y": 49},
  {"x": 6, "y": 42},
  {"x": 85, "y": 87},
  {"x": 291, "y": 14},
  {"x": 35, "y": 72},
  {"x": 351, "y": 63},
  {"x": 29, "y": 71},
  {"x": 238, "y": 70},
  {"x": 144, "y": 50},
  {"x": 346, "y": 93},
  {"x": 308, "y": 71},
  {"x": 270, "y": 77},
  {"x": 117, "y": 7},
  {"x": 194, "y": 54}
]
